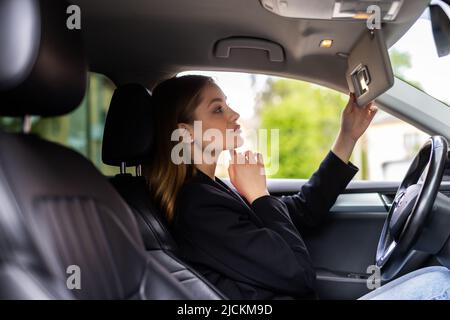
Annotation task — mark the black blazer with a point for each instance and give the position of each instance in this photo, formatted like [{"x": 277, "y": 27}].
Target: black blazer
[{"x": 255, "y": 251}]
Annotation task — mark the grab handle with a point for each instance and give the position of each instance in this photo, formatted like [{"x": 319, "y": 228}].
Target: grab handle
[{"x": 224, "y": 46}]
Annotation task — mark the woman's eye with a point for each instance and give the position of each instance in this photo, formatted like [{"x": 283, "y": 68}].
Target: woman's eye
[{"x": 218, "y": 109}]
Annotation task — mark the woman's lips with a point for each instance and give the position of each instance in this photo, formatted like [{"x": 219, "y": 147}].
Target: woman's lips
[{"x": 236, "y": 130}]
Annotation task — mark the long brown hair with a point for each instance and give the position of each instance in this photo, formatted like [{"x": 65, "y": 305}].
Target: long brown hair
[{"x": 175, "y": 101}]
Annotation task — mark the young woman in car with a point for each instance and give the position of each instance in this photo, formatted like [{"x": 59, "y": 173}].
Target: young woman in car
[{"x": 247, "y": 243}]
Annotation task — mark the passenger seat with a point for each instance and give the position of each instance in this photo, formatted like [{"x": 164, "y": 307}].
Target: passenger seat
[
  {"x": 128, "y": 141},
  {"x": 59, "y": 216}
]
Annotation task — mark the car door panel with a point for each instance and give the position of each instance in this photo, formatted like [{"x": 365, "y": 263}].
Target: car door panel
[{"x": 344, "y": 247}]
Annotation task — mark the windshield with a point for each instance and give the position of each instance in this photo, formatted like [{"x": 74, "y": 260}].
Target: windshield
[{"x": 415, "y": 60}]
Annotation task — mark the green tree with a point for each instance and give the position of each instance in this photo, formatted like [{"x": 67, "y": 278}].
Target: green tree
[
  {"x": 401, "y": 61},
  {"x": 307, "y": 117}
]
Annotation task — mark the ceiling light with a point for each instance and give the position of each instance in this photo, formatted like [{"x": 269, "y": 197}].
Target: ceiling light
[
  {"x": 326, "y": 43},
  {"x": 361, "y": 16}
]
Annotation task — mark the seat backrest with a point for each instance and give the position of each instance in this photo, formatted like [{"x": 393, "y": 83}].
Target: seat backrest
[
  {"x": 128, "y": 141},
  {"x": 131, "y": 117},
  {"x": 59, "y": 216},
  {"x": 152, "y": 225}
]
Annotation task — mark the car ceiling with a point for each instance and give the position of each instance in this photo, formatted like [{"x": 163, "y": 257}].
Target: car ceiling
[{"x": 147, "y": 40}]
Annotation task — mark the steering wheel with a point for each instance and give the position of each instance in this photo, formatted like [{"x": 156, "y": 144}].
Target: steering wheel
[{"x": 411, "y": 207}]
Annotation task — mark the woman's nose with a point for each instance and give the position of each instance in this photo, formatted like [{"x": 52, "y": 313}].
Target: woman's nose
[{"x": 234, "y": 115}]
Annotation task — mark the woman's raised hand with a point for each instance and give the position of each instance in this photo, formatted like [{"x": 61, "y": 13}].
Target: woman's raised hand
[
  {"x": 247, "y": 174},
  {"x": 354, "y": 122}
]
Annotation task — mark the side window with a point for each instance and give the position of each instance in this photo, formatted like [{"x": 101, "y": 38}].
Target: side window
[
  {"x": 82, "y": 129},
  {"x": 386, "y": 150},
  {"x": 307, "y": 119}
]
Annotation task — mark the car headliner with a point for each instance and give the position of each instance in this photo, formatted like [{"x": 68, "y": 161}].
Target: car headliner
[{"x": 147, "y": 40}]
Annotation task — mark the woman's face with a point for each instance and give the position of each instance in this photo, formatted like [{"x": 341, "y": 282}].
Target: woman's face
[{"x": 214, "y": 113}]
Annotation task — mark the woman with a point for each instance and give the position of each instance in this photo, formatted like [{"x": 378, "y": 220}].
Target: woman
[{"x": 247, "y": 243}]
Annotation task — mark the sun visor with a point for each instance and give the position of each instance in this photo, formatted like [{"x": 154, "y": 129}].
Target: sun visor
[{"x": 369, "y": 72}]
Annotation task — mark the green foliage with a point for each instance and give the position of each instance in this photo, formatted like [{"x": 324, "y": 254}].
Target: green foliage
[
  {"x": 308, "y": 119},
  {"x": 401, "y": 61},
  {"x": 10, "y": 124}
]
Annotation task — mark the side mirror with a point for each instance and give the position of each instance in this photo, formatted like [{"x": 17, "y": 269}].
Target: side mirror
[{"x": 440, "y": 22}]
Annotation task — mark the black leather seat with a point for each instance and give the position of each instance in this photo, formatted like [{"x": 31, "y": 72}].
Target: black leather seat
[
  {"x": 127, "y": 141},
  {"x": 56, "y": 209}
]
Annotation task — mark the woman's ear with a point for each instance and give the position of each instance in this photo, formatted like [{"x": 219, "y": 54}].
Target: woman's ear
[
  {"x": 188, "y": 131},
  {"x": 185, "y": 126}
]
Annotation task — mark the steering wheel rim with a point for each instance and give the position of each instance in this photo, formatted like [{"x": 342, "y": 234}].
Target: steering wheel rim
[{"x": 411, "y": 207}]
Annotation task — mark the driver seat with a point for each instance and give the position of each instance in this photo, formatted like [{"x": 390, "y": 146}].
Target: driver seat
[{"x": 128, "y": 141}]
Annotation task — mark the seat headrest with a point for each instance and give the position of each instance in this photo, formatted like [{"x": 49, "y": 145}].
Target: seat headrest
[
  {"x": 129, "y": 128},
  {"x": 43, "y": 69}
]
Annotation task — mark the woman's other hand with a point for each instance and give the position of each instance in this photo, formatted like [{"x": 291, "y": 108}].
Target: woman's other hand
[
  {"x": 354, "y": 122},
  {"x": 247, "y": 174}
]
